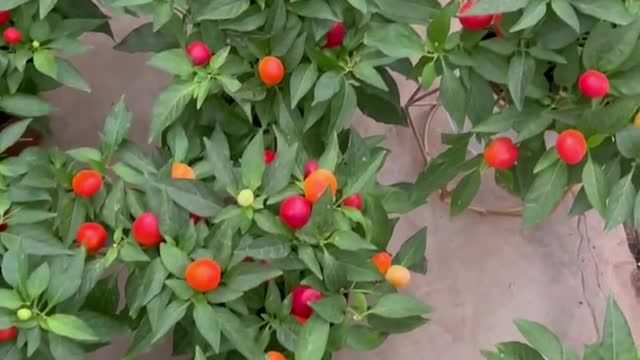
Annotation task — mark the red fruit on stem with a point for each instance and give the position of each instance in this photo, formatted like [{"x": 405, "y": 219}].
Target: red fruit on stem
[
  {"x": 335, "y": 36},
  {"x": 501, "y": 154},
  {"x": 146, "y": 230},
  {"x": 199, "y": 53},
  {"x": 9, "y": 334},
  {"x": 5, "y": 16},
  {"x": 302, "y": 297},
  {"x": 12, "y": 36},
  {"x": 295, "y": 211},
  {"x": 354, "y": 201},
  {"x": 571, "y": 146},
  {"x": 87, "y": 183},
  {"x": 474, "y": 22},
  {"x": 594, "y": 84},
  {"x": 311, "y": 167},
  {"x": 93, "y": 236},
  {"x": 269, "y": 157}
]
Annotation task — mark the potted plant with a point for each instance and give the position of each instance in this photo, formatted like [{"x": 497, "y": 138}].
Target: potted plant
[{"x": 36, "y": 38}]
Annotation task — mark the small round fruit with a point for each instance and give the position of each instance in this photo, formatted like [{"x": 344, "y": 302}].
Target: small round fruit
[
  {"x": 382, "y": 261},
  {"x": 302, "y": 297},
  {"x": 12, "y": 36},
  {"x": 269, "y": 157},
  {"x": 245, "y": 198},
  {"x": 5, "y": 16},
  {"x": 181, "y": 171},
  {"x": 93, "y": 236},
  {"x": 311, "y": 167},
  {"x": 274, "y": 355},
  {"x": 636, "y": 120},
  {"x": 501, "y": 154},
  {"x": 87, "y": 183},
  {"x": 146, "y": 230},
  {"x": 571, "y": 146},
  {"x": 398, "y": 276},
  {"x": 295, "y": 212},
  {"x": 199, "y": 53},
  {"x": 35, "y": 44},
  {"x": 317, "y": 183},
  {"x": 4, "y": 227},
  {"x": 335, "y": 36},
  {"x": 474, "y": 22},
  {"x": 9, "y": 334},
  {"x": 271, "y": 71},
  {"x": 24, "y": 314},
  {"x": 203, "y": 275},
  {"x": 354, "y": 201},
  {"x": 594, "y": 84}
]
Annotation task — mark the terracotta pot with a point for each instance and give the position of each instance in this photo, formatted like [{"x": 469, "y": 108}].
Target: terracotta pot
[{"x": 31, "y": 137}]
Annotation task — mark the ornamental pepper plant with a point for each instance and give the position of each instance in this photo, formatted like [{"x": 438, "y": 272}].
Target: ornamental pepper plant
[{"x": 233, "y": 257}]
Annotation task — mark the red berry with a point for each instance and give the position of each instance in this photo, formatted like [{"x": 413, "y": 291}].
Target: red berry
[
  {"x": 295, "y": 212},
  {"x": 571, "y": 146},
  {"x": 354, "y": 201},
  {"x": 594, "y": 84},
  {"x": 199, "y": 53},
  {"x": 12, "y": 36},
  {"x": 4, "y": 227},
  {"x": 87, "y": 183},
  {"x": 311, "y": 167},
  {"x": 501, "y": 154},
  {"x": 335, "y": 36},
  {"x": 474, "y": 22},
  {"x": 5, "y": 16},
  {"x": 146, "y": 230},
  {"x": 93, "y": 236},
  {"x": 269, "y": 157},
  {"x": 9, "y": 334},
  {"x": 195, "y": 219},
  {"x": 302, "y": 296}
]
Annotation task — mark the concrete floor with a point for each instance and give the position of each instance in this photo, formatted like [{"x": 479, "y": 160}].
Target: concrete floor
[{"x": 484, "y": 271}]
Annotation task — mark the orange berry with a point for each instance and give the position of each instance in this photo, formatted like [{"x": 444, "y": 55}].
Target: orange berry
[
  {"x": 181, "y": 171},
  {"x": 271, "y": 71},
  {"x": 203, "y": 275},
  {"x": 636, "y": 121},
  {"x": 274, "y": 355},
  {"x": 316, "y": 184},
  {"x": 382, "y": 261},
  {"x": 398, "y": 276}
]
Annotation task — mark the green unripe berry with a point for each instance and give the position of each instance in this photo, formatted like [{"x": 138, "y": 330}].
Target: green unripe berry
[
  {"x": 24, "y": 314},
  {"x": 245, "y": 198},
  {"x": 35, "y": 44}
]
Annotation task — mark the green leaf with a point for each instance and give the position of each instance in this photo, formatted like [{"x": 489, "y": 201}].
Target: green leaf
[
  {"x": 12, "y": 134},
  {"x": 620, "y": 202},
  {"x": 398, "y": 306},
  {"x": 343, "y": 107},
  {"x": 565, "y": 11},
  {"x": 266, "y": 248},
  {"x": 542, "y": 339},
  {"x": 308, "y": 257},
  {"x": 595, "y": 185},
  {"x": 66, "y": 277},
  {"x": 313, "y": 9},
  {"x": 331, "y": 308},
  {"x": 45, "y": 62},
  {"x": 180, "y": 288},
  {"x": 609, "y": 10},
  {"x": 9, "y": 299},
  {"x": 349, "y": 240},
  {"x": 361, "y": 5},
  {"x": 38, "y": 281},
  {"x": 279, "y": 172},
  {"x": 497, "y": 122},
  {"x": 453, "y": 97},
  {"x": 496, "y": 6},
  {"x": 547, "y": 159},
  {"x": 545, "y": 193},
  {"x": 223, "y": 294},
  {"x": 327, "y": 85},
  {"x": 522, "y": 68},
  {"x": 10, "y": 4},
  {"x": 172, "y": 314},
  {"x": 428, "y": 75},
  {"x": 174, "y": 61},
  {"x": 70, "y": 326},
  {"x": 24, "y": 105},
  {"x": 302, "y": 80},
  {"x": 169, "y": 106},
  {"x": 68, "y": 75},
  {"x": 617, "y": 341},
  {"x": 438, "y": 29},
  {"x": 222, "y": 9},
  {"x": 207, "y": 323},
  {"x": 195, "y": 197},
  {"x": 218, "y": 154},
  {"x": 397, "y": 40},
  {"x": 334, "y": 273},
  {"x": 238, "y": 334},
  {"x": 604, "y": 55},
  {"x": 368, "y": 74},
  {"x": 145, "y": 39},
  {"x": 464, "y": 192},
  {"x": 363, "y": 338},
  {"x": 85, "y": 155},
  {"x": 411, "y": 11},
  {"x": 174, "y": 259},
  {"x": 273, "y": 300},
  {"x": 246, "y": 276},
  {"x": 359, "y": 182},
  {"x": 533, "y": 12},
  {"x": 252, "y": 164},
  {"x": 412, "y": 252},
  {"x": 63, "y": 348},
  {"x": 312, "y": 340}
]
